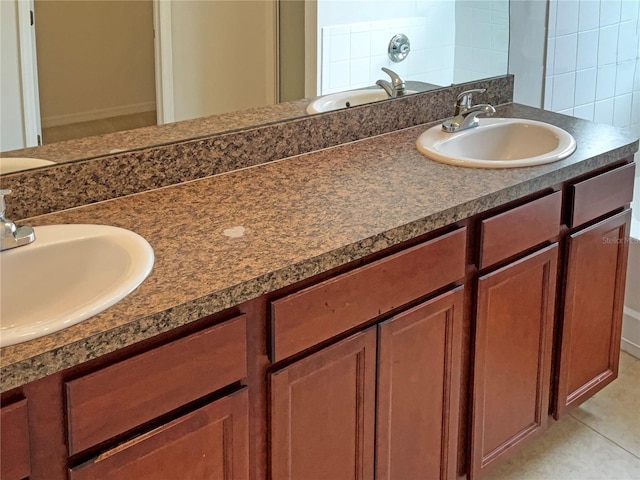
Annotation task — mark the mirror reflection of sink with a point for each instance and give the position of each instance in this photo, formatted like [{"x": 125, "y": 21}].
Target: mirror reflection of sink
[
  {"x": 8, "y": 165},
  {"x": 351, "y": 98},
  {"x": 68, "y": 274},
  {"x": 498, "y": 143}
]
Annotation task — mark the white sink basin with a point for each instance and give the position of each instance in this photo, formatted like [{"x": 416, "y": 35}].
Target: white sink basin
[
  {"x": 68, "y": 274},
  {"x": 351, "y": 98},
  {"x": 8, "y": 165},
  {"x": 498, "y": 143}
]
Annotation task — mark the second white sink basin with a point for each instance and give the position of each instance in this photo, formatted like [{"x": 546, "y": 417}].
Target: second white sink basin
[
  {"x": 351, "y": 98},
  {"x": 498, "y": 143},
  {"x": 68, "y": 274}
]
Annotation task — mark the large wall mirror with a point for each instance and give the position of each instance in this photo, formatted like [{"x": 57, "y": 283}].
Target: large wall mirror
[{"x": 101, "y": 66}]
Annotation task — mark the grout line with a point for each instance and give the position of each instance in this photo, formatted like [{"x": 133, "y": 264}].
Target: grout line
[{"x": 604, "y": 436}]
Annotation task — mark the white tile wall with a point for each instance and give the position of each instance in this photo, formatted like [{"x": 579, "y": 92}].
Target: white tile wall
[
  {"x": 593, "y": 60},
  {"x": 441, "y": 54},
  {"x": 353, "y": 54},
  {"x": 482, "y": 39}
]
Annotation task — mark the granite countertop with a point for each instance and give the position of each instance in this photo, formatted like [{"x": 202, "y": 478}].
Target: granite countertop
[{"x": 302, "y": 215}]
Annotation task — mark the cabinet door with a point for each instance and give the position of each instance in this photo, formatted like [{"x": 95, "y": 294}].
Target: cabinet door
[
  {"x": 512, "y": 358},
  {"x": 322, "y": 413},
  {"x": 211, "y": 442},
  {"x": 418, "y": 391},
  {"x": 593, "y": 304},
  {"x": 14, "y": 441}
]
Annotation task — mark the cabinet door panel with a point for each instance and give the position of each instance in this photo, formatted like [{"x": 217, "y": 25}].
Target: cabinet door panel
[
  {"x": 513, "y": 350},
  {"x": 209, "y": 443},
  {"x": 418, "y": 391},
  {"x": 322, "y": 413},
  {"x": 14, "y": 441},
  {"x": 594, "y": 294}
]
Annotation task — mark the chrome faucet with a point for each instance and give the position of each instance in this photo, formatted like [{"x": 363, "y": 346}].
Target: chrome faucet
[
  {"x": 394, "y": 89},
  {"x": 466, "y": 114},
  {"x": 13, "y": 236}
]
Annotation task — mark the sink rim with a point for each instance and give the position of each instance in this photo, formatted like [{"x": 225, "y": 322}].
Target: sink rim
[
  {"x": 141, "y": 261},
  {"x": 315, "y": 106},
  {"x": 429, "y": 141}
]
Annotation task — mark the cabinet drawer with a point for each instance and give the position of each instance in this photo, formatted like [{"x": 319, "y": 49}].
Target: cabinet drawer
[
  {"x": 211, "y": 442},
  {"x": 119, "y": 397},
  {"x": 599, "y": 195},
  {"x": 520, "y": 228},
  {"x": 14, "y": 442},
  {"x": 327, "y": 309}
]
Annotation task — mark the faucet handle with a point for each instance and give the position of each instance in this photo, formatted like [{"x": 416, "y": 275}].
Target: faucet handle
[
  {"x": 395, "y": 78},
  {"x": 465, "y": 99},
  {"x": 3, "y": 204}
]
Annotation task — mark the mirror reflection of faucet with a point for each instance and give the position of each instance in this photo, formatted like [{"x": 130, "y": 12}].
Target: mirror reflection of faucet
[{"x": 395, "y": 88}]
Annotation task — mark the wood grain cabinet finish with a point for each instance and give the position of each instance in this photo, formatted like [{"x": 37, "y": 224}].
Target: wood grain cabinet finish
[
  {"x": 322, "y": 311},
  {"x": 519, "y": 229},
  {"x": 122, "y": 396},
  {"x": 419, "y": 367},
  {"x": 14, "y": 441},
  {"x": 323, "y": 412},
  {"x": 209, "y": 443},
  {"x": 599, "y": 195},
  {"x": 592, "y": 317},
  {"x": 513, "y": 354}
]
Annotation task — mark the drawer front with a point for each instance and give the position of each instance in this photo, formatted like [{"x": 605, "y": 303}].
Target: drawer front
[
  {"x": 117, "y": 398},
  {"x": 601, "y": 194},
  {"x": 518, "y": 229},
  {"x": 14, "y": 442},
  {"x": 322, "y": 311},
  {"x": 209, "y": 443}
]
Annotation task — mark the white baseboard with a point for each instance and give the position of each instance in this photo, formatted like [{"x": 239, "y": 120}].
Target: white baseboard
[
  {"x": 98, "y": 114},
  {"x": 631, "y": 332}
]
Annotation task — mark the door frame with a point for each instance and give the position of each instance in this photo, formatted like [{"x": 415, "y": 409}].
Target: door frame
[
  {"x": 163, "y": 53},
  {"x": 29, "y": 73}
]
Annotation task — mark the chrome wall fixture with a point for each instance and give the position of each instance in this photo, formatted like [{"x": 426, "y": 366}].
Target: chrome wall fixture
[{"x": 399, "y": 47}]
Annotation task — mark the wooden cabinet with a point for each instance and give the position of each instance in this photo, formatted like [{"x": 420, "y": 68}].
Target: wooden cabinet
[
  {"x": 323, "y": 412},
  {"x": 210, "y": 442},
  {"x": 419, "y": 367},
  {"x": 513, "y": 354},
  {"x": 592, "y": 315},
  {"x": 323, "y": 407},
  {"x": 14, "y": 441}
]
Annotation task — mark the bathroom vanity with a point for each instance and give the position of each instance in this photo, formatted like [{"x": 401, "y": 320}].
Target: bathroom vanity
[{"x": 382, "y": 316}]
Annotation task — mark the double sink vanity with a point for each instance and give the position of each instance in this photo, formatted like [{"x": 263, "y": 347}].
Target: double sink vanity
[{"x": 350, "y": 312}]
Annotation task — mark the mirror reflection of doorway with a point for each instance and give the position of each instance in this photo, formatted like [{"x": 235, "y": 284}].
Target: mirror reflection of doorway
[{"x": 95, "y": 67}]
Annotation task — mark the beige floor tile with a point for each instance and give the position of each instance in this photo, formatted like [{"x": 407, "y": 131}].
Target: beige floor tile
[
  {"x": 569, "y": 450},
  {"x": 614, "y": 412},
  {"x": 98, "y": 127}
]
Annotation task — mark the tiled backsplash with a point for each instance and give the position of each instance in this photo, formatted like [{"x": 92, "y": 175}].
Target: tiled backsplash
[{"x": 593, "y": 60}]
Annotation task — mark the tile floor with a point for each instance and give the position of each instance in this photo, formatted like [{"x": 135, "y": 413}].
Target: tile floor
[{"x": 598, "y": 441}]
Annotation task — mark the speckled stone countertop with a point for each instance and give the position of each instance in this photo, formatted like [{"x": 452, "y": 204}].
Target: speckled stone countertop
[{"x": 302, "y": 215}]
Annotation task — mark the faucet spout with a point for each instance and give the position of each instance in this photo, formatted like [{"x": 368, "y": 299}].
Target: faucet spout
[
  {"x": 394, "y": 89},
  {"x": 466, "y": 114}
]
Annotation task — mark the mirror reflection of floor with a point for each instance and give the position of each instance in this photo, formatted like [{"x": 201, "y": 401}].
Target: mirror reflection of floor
[
  {"x": 98, "y": 127},
  {"x": 600, "y": 440}
]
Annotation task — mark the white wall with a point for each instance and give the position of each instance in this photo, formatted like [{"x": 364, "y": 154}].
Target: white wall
[
  {"x": 12, "y": 133},
  {"x": 216, "y": 62}
]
